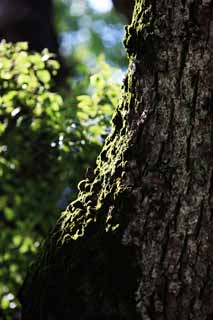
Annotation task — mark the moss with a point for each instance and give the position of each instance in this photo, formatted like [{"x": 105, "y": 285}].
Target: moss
[
  {"x": 139, "y": 34},
  {"x": 96, "y": 195}
]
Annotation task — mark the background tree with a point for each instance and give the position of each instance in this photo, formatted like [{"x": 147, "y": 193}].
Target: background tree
[
  {"x": 136, "y": 244},
  {"x": 30, "y": 21},
  {"x": 125, "y": 7}
]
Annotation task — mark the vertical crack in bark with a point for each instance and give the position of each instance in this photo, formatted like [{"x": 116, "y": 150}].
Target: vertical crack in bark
[
  {"x": 165, "y": 243},
  {"x": 210, "y": 193},
  {"x": 195, "y": 83},
  {"x": 188, "y": 160},
  {"x": 199, "y": 221},
  {"x": 176, "y": 213},
  {"x": 183, "y": 56}
]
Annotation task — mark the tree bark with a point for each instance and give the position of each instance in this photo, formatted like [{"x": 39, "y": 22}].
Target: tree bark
[{"x": 137, "y": 243}]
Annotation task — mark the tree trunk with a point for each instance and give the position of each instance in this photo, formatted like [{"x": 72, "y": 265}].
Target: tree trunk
[{"x": 137, "y": 243}]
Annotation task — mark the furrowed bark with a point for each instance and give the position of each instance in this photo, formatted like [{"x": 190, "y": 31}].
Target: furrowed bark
[{"x": 137, "y": 243}]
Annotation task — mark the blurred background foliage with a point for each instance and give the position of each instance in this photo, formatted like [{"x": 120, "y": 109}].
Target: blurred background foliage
[{"x": 52, "y": 129}]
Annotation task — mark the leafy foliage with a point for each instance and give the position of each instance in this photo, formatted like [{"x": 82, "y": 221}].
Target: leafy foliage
[
  {"x": 95, "y": 109},
  {"x": 89, "y": 110},
  {"x": 42, "y": 139},
  {"x": 31, "y": 121}
]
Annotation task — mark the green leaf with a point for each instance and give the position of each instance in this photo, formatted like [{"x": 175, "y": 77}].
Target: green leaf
[
  {"x": 9, "y": 214},
  {"x": 44, "y": 76}
]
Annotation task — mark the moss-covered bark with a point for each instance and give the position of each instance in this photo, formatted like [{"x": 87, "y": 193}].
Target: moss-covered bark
[{"x": 137, "y": 243}]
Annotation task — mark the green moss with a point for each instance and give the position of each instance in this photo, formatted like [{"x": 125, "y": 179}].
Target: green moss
[{"x": 96, "y": 196}]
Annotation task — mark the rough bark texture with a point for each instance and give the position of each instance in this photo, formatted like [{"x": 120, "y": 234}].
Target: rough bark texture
[{"x": 138, "y": 241}]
